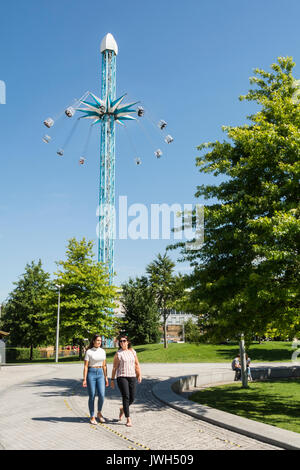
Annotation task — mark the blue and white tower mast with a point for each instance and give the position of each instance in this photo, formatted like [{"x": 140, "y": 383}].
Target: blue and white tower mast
[
  {"x": 106, "y": 111},
  {"x": 109, "y": 51}
]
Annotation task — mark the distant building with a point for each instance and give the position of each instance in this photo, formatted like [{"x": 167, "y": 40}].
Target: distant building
[
  {"x": 175, "y": 321},
  {"x": 179, "y": 318},
  {"x": 2, "y": 347}
]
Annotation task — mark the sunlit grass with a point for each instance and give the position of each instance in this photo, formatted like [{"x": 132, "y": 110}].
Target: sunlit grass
[
  {"x": 271, "y": 351},
  {"x": 271, "y": 402}
]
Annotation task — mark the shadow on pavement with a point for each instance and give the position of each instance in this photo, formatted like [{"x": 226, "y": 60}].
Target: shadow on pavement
[
  {"x": 65, "y": 419},
  {"x": 56, "y": 387}
]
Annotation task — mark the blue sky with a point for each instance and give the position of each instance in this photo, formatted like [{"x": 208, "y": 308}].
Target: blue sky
[{"x": 186, "y": 61}]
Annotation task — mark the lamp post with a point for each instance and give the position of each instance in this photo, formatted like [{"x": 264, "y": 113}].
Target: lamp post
[{"x": 57, "y": 325}]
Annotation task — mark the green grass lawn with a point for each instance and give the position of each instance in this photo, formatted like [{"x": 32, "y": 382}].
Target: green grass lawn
[
  {"x": 185, "y": 352},
  {"x": 271, "y": 402},
  {"x": 271, "y": 351}
]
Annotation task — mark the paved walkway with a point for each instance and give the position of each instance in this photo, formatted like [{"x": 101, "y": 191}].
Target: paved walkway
[{"x": 45, "y": 407}]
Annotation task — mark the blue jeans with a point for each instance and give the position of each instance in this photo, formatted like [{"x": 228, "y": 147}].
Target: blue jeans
[{"x": 95, "y": 382}]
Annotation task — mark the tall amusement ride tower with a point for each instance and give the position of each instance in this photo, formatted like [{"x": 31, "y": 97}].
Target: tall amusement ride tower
[{"x": 106, "y": 111}]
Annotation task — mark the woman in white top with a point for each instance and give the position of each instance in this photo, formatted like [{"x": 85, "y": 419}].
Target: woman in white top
[
  {"x": 127, "y": 368},
  {"x": 95, "y": 376}
]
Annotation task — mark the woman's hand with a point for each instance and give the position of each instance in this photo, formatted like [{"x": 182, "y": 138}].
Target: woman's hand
[
  {"x": 112, "y": 384},
  {"x": 85, "y": 372},
  {"x": 139, "y": 379},
  {"x": 106, "y": 382}
]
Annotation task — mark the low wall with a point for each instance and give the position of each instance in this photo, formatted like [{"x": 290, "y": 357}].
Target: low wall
[
  {"x": 192, "y": 381},
  {"x": 284, "y": 372},
  {"x": 214, "y": 377}
]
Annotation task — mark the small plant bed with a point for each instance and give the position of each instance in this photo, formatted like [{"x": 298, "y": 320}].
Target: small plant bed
[{"x": 271, "y": 402}]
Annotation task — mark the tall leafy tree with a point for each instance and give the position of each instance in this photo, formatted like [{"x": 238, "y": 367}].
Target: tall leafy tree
[
  {"x": 142, "y": 315},
  {"x": 166, "y": 287},
  {"x": 246, "y": 274},
  {"x": 87, "y": 298},
  {"x": 24, "y": 314}
]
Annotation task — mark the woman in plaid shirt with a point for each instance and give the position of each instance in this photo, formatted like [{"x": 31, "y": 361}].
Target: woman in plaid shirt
[{"x": 127, "y": 369}]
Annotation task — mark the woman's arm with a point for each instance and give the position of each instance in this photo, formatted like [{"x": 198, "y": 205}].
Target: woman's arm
[
  {"x": 138, "y": 370},
  {"x": 104, "y": 368},
  {"x": 115, "y": 366},
  {"x": 85, "y": 371}
]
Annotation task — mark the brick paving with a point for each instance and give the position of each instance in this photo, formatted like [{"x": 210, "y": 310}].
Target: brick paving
[{"x": 45, "y": 407}]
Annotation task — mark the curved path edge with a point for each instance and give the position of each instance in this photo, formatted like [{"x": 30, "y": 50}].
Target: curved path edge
[{"x": 262, "y": 432}]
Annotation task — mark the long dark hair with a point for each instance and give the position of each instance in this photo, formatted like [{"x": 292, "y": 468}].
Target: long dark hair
[
  {"x": 128, "y": 341},
  {"x": 91, "y": 345}
]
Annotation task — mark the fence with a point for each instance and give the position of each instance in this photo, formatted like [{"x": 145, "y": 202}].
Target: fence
[{"x": 23, "y": 354}]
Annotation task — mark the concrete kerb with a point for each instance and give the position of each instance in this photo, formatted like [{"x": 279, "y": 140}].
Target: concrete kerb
[{"x": 169, "y": 391}]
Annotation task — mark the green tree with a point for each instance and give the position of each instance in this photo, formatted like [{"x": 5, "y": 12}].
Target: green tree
[
  {"x": 165, "y": 286},
  {"x": 87, "y": 298},
  {"x": 141, "y": 313},
  {"x": 191, "y": 332},
  {"x": 24, "y": 315},
  {"x": 246, "y": 274}
]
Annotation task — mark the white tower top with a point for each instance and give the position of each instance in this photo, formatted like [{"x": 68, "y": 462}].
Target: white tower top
[{"x": 109, "y": 43}]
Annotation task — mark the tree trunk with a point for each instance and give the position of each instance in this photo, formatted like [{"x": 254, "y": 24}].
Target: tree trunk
[
  {"x": 243, "y": 363},
  {"x": 165, "y": 332},
  {"x": 31, "y": 352},
  {"x": 80, "y": 350}
]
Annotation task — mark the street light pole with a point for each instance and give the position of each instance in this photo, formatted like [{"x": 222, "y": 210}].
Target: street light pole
[{"x": 57, "y": 325}]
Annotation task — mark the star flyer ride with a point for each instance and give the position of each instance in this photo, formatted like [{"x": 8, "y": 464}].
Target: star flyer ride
[{"x": 105, "y": 111}]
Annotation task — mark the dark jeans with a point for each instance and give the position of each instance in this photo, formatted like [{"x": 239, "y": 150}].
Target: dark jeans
[
  {"x": 237, "y": 373},
  {"x": 127, "y": 386}
]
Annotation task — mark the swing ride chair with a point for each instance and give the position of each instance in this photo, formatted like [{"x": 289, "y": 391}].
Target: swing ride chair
[{"x": 102, "y": 111}]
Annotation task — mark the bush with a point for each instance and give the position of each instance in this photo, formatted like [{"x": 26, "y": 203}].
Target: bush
[
  {"x": 21, "y": 354},
  {"x": 191, "y": 332}
]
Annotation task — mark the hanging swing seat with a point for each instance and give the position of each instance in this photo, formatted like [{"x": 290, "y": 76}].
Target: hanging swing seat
[
  {"x": 140, "y": 111},
  {"x": 162, "y": 124},
  {"x": 49, "y": 122},
  {"x": 169, "y": 139},
  {"x": 46, "y": 139},
  {"x": 70, "y": 112}
]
